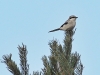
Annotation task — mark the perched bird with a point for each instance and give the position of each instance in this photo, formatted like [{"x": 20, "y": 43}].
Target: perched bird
[{"x": 68, "y": 25}]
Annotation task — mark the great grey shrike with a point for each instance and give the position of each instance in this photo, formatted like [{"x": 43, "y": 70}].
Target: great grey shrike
[{"x": 68, "y": 25}]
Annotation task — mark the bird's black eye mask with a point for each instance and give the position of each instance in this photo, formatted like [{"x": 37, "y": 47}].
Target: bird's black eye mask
[{"x": 72, "y": 17}]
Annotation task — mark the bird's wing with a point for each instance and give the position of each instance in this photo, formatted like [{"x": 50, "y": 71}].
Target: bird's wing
[{"x": 64, "y": 23}]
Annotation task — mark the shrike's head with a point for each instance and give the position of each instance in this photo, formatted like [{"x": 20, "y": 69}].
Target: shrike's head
[{"x": 72, "y": 17}]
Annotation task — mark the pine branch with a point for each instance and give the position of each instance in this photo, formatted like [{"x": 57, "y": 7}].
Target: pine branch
[
  {"x": 68, "y": 42},
  {"x": 23, "y": 60},
  {"x": 11, "y": 65},
  {"x": 47, "y": 68}
]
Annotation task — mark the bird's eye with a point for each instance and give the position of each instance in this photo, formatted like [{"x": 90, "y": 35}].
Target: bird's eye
[{"x": 70, "y": 17}]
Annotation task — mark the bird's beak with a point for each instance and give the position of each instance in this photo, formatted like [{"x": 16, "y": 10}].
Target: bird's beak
[{"x": 76, "y": 17}]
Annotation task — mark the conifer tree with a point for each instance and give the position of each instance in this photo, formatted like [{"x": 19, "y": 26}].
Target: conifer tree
[{"x": 61, "y": 61}]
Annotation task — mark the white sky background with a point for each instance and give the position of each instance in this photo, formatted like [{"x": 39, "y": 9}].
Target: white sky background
[{"x": 28, "y": 22}]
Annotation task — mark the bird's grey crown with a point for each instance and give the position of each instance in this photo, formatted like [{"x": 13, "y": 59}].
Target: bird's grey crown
[{"x": 72, "y": 16}]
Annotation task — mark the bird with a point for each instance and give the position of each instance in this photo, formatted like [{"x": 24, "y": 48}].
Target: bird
[{"x": 68, "y": 25}]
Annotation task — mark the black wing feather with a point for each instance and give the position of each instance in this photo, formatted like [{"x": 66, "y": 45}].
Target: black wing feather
[{"x": 64, "y": 24}]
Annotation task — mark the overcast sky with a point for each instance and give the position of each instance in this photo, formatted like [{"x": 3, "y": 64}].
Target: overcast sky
[{"x": 28, "y": 22}]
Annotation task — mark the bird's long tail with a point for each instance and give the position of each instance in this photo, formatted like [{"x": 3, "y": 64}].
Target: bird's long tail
[{"x": 55, "y": 30}]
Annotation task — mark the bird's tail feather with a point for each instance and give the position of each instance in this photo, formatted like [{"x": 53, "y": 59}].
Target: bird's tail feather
[{"x": 55, "y": 30}]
